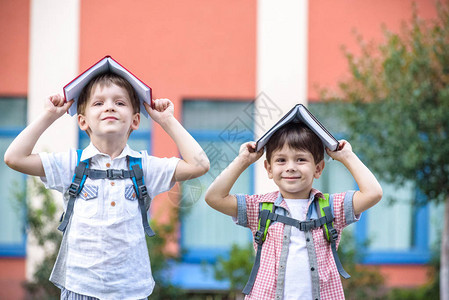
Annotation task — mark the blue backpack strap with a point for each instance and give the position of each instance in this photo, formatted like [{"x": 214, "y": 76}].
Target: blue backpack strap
[
  {"x": 135, "y": 164},
  {"x": 79, "y": 178}
]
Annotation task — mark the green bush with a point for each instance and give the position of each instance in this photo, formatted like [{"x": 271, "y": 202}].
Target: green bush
[
  {"x": 159, "y": 257},
  {"x": 236, "y": 268}
]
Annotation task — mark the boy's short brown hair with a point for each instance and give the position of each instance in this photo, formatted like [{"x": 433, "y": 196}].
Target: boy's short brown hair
[
  {"x": 296, "y": 136},
  {"x": 107, "y": 79}
]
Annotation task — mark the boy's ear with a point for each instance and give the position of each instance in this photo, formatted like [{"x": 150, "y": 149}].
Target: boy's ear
[
  {"x": 136, "y": 121},
  {"x": 82, "y": 123},
  {"x": 268, "y": 168},
  {"x": 319, "y": 169}
]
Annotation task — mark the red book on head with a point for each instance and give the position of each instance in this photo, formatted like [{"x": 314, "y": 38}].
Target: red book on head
[{"x": 107, "y": 64}]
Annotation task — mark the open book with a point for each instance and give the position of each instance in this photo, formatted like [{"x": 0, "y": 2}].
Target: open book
[
  {"x": 299, "y": 113},
  {"x": 107, "y": 64}
]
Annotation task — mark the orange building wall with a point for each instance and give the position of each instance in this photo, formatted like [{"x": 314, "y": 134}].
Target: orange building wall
[
  {"x": 332, "y": 25},
  {"x": 405, "y": 275},
  {"x": 181, "y": 49},
  {"x": 14, "y": 34},
  {"x": 12, "y": 275}
]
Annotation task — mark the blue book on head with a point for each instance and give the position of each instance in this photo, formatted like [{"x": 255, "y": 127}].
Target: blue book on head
[{"x": 299, "y": 113}]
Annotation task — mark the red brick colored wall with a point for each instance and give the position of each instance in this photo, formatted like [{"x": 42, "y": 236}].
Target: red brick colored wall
[{"x": 332, "y": 25}]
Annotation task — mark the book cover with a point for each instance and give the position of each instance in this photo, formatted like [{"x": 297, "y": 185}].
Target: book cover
[
  {"x": 299, "y": 113},
  {"x": 107, "y": 64}
]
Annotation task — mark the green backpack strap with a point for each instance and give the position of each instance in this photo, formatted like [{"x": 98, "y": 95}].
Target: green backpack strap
[
  {"x": 265, "y": 206},
  {"x": 331, "y": 234},
  {"x": 323, "y": 204},
  {"x": 259, "y": 238}
]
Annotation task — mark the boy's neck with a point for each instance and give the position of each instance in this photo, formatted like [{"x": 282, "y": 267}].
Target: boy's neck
[
  {"x": 113, "y": 147},
  {"x": 301, "y": 195}
]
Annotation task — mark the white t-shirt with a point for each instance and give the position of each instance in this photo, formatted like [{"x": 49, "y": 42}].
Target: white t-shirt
[
  {"x": 298, "y": 280},
  {"x": 104, "y": 253}
]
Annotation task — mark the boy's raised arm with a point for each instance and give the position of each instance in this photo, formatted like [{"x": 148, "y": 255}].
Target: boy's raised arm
[
  {"x": 217, "y": 195},
  {"x": 194, "y": 162},
  {"x": 370, "y": 191},
  {"x": 18, "y": 156}
]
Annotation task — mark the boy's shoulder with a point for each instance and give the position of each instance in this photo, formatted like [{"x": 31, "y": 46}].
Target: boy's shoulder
[
  {"x": 276, "y": 196},
  {"x": 261, "y": 198},
  {"x": 65, "y": 159}
]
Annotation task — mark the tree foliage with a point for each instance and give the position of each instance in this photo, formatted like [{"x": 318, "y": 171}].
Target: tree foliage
[
  {"x": 160, "y": 257},
  {"x": 397, "y": 104},
  {"x": 42, "y": 221},
  {"x": 236, "y": 268}
]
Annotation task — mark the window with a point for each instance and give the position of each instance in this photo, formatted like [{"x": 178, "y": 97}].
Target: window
[
  {"x": 12, "y": 214},
  {"x": 220, "y": 128},
  {"x": 397, "y": 228}
]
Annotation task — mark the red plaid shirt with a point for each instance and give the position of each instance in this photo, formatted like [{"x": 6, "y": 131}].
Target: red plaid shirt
[{"x": 269, "y": 281}]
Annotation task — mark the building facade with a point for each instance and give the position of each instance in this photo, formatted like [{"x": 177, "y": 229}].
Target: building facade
[{"x": 232, "y": 69}]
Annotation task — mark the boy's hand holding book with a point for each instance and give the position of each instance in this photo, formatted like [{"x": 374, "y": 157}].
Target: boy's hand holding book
[
  {"x": 343, "y": 151},
  {"x": 163, "y": 110},
  {"x": 56, "y": 106},
  {"x": 248, "y": 154}
]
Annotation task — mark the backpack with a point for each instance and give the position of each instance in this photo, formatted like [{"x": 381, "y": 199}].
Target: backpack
[
  {"x": 82, "y": 171},
  {"x": 325, "y": 220}
]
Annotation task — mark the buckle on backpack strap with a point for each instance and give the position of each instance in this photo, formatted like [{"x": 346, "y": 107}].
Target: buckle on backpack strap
[
  {"x": 258, "y": 237},
  {"x": 73, "y": 189},
  {"x": 143, "y": 192},
  {"x": 114, "y": 174},
  {"x": 307, "y": 225},
  {"x": 333, "y": 234}
]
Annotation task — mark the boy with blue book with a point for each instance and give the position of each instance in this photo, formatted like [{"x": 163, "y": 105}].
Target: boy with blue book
[{"x": 296, "y": 228}]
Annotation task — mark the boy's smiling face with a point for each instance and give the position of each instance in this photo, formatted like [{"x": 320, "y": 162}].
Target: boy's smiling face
[
  {"x": 109, "y": 113},
  {"x": 293, "y": 171}
]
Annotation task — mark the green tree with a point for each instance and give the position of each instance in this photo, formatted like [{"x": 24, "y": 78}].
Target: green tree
[
  {"x": 396, "y": 106},
  {"x": 160, "y": 257},
  {"x": 42, "y": 223}
]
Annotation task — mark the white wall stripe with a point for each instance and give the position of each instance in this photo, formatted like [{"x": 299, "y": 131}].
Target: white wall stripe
[
  {"x": 282, "y": 35},
  {"x": 53, "y": 62}
]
